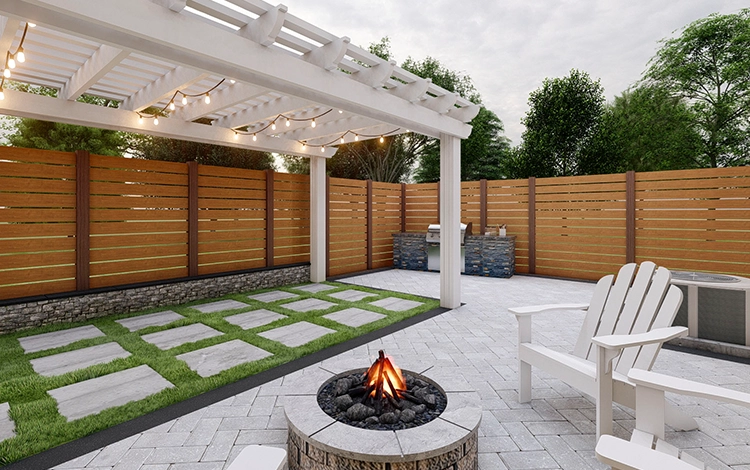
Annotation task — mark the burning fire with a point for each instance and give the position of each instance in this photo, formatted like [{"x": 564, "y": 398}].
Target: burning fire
[{"x": 384, "y": 379}]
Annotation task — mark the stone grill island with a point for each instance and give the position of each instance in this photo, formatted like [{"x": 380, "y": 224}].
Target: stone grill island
[{"x": 317, "y": 441}]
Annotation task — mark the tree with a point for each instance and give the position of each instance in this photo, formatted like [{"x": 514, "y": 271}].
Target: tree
[
  {"x": 46, "y": 135},
  {"x": 562, "y": 120},
  {"x": 709, "y": 65}
]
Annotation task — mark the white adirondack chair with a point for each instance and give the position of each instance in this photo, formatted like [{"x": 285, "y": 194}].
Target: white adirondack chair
[
  {"x": 630, "y": 319},
  {"x": 641, "y": 452}
]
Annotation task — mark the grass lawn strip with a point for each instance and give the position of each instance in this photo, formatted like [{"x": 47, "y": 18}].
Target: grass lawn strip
[{"x": 40, "y": 426}]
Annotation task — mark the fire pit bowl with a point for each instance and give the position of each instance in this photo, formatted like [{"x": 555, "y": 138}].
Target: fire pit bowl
[{"x": 318, "y": 441}]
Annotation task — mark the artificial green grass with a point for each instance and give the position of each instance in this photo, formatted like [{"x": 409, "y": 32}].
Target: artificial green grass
[{"x": 39, "y": 425}]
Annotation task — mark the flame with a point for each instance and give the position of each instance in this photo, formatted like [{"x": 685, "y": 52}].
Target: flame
[{"x": 384, "y": 375}]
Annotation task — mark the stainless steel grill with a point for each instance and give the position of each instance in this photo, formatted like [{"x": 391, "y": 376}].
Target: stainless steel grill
[
  {"x": 433, "y": 233},
  {"x": 433, "y": 246}
]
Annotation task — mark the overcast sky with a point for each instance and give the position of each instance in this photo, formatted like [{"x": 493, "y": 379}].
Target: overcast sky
[{"x": 509, "y": 46}]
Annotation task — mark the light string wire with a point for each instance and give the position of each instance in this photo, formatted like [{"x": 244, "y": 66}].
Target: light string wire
[
  {"x": 356, "y": 138},
  {"x": 155, "y": 115},
  {"x": 272, "y": 124},
  {"x": 11, "y": 59}
]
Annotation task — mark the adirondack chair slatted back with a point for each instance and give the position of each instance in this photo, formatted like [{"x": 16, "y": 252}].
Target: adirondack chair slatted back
[
  {"x": 593, "y": 314},
  {"x": 664, "y": 319}
]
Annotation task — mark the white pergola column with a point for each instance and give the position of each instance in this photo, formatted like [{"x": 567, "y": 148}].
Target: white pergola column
[
  {"x": 317, "y": 219},
  {"x": 450, "y": 220}
]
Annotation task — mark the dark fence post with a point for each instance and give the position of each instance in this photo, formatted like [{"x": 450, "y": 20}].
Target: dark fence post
[
  {"x": 482, "y": 206},
  {"x": 630, "y": 217},
  {"x": 192, "y": 218},
  {"x": 269, "y": 217},
  {"x": 328, "y": 226},
  {"x": 532, "y": 225},
  {"x": 403, "y": 207},
  {"x": 369, "y": 224},
  {"x": 83, "y": 218}
]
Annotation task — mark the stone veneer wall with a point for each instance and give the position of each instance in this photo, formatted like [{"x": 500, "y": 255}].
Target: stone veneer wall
[
  {"x": 410, "y": 251},
  {"x": 491, "y": 256},
  {"x": 19, "y": 316}
]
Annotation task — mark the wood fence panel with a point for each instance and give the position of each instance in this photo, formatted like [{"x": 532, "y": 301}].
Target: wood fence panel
[
  {"x": 231, "y": 219},
  {"x": 138, "y": 221},
  {"x": 421, "y": 206},
  {"x": 697, "y": 220},
  {"x": 580, "y": 225},
  {"x": 347, "y": 250},
  {"x": 386, "y": 220},
  {"x": 37, "y": 222},
  {"x": 291, "y": 226},
  {"x": 508, "y": 203},
  {"x": 471, "y": 205}
]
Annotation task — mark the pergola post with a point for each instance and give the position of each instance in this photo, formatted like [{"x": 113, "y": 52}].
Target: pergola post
[
  {"x": 317, "y": 219},
  {"x": 450, "y": 220}
]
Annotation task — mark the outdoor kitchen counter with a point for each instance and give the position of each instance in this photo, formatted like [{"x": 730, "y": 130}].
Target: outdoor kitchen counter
[{"x": 491, "y": 256}]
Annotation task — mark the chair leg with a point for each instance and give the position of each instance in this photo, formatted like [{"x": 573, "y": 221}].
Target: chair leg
[
  {"x": 678, "y": 420},
  {"x": 524, "y": 382}
]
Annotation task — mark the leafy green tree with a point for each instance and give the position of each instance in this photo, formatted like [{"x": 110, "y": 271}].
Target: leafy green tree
[
  {"x": 709, "y": 65},
  {"x": 562, "y": 120}
]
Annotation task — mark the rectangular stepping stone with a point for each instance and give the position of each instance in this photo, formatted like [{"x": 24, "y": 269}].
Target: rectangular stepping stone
[
  {"x": 219, "y": 306},
  {"x": 351, "y": 295},
  {"x": 272, "y": 296},
  {"x": 315, "y": 288},
  {"x": 254, "y": 319},
  {"x": 94, "y": 395},
  {"x": 220, "y": 357},
  {"x": 308, "y": 304},
  {"x": 354, "y": 317},
  {"x": 7, "y": 428},
  {"x": 152, "y": 319},
  {"x": 395, "y": 304},
  {"x": 169, "y": 339},
  {"x": 57, "y": 339},
  {"x": 62, "y": 363},
  {"x": 296, "y": 334}
]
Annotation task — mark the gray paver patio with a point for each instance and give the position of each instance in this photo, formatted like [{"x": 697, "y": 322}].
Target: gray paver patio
[
  {"x": 354, "y": 317},
  {"x": 296, "y": 334},
  {"x": 174, "y": 337},
  {"x": 351, "y": 295},
  {"x": 94, "y": 395},
  {"x": 476, "y": 345},
  {"x": 219, "y": 306},
  {"x": 220, "y": 357},
  {"x": 152, "y": 319},
  {"x": 254, "y": 318},
  {"x": 315, "y": 288},
  {"x": 307, "y": 305},
  {"x": 395, "y": 304},
  {"x": 7, "y": 427},
  {"x": 62, "y": 363},
  {"x": 57, "y": 339},
  {"x": 272, "y": 296}
]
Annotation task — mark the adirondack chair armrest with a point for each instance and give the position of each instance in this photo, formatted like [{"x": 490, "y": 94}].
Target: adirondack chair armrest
[
  {"x": 621, "y": 454},
  {"x": 666, "y": 383},
  {"x": 523, "y": 311},
  {"x": 659, "y": 335}
]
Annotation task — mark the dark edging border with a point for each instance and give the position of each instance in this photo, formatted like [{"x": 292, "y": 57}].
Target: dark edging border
[
  {"x": 163, "y": 282},
  {"x": 73, "y": 449}
]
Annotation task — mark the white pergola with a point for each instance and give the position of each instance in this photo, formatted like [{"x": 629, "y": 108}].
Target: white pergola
[{"x": 267, "y": 63}]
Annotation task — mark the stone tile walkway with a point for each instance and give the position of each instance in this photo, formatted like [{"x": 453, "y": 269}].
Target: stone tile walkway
[
  {"x": 169, "y": 339},
  {"x": 62, "y": 363},
  {"x": 219, "y": 306},
  {"x": 308, "y": 305},
  {"x": 354, "y": 317},
  {"x": 57, "y": 339},
  {"x": 314, "y": 288},
  {"x": 254, "y": 318},
  {"x": 152, "y": 319},
  {"x": 296, "y": 334},
  {"x": 272, "y": 296},
  {"x": 351, "y": 295},
  {"x": 220, "y": 357},
  {"x": 7, "y": 427},
  {"x": 476, "y": 346}
]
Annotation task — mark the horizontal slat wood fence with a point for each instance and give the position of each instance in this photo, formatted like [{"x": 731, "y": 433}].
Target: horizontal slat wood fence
[{"x": 74, "y": 221}]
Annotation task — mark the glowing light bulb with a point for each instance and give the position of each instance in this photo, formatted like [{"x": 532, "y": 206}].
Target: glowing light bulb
[
  {"x": 32, "y": 25},
  {"x": 342, "y": 140},
  {"x": 288, "y": 122},
  {"x": 273, "y": 126},
  {"x": 304, "y": 146},
  {"x": 382, "y": 139},
  {"x": 171, "y": 105},
  {"x": 236, "y": 136},
  {"x": 11, "y": 62},
  {"x": 6, "y": 73},
  {"x": 207, "y": 99},
  {"x": 140, "y": 119},
  {"x": 356, "y": 137},
  {"x": 20, "y": 55},
  {"x": 156, "y": 121},
  {"x": 2, "y": 95},
  {"x": 341, "y": 111},
  {"x": 312, "y": 124},
  {"x": 184, "y": 100},
  {"x": 322, "y": 148},
  {"x": 255, "y": 137},
  {"x": 232, "y": 81}
]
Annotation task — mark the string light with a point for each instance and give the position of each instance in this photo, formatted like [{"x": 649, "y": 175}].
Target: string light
[
  {"x": 156, "y": 121},
  {"x": 11, "y": 60},
  {"x": 32, "y": 25},
  {"x": 382, "y": 139},
  {"x": 184, "y": 100},
  {"x": 232, "y": 81},
  {"x": 171, "y": 105},
  {"x": 322, "y": 148},
  {"x": 312, "y": 124},
  {"x": 6, "y": 73},
  {"x": 236, "y": 136},
  {"x": 255, "y": 137},
  {"x": 342, "y": 138},
  {"x": 356, "y": 138},
  {"x": 273, "y": 125},
  {"x": 140, "y": 119},
  {"x": 207, "y": 99},
  {"x": 288, "y": 122},
  {"x": 304, "y": 145}
]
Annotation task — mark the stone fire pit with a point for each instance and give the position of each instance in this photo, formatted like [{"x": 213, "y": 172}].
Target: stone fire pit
[{"x": 319, "y": 442}]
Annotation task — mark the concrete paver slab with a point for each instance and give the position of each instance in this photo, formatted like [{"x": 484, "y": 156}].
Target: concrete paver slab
[
  {"x": 7, "y": 427},
  {"x": 354, "y": 317},
  {"x": 94, "y": 395},
  {"x": 254, "y": 319},
  {"x": 307, "y": 305},
  {"x": 395, "y": 304},
  {"x": 57, "y": 339},
  {"x": 219, "y": 306},
  {"x": 296, "y": 334},
  {"x": 272, "y": 296},
  {"x": 351, "y": 295},
  {"x": 174, "y": 337},
  {"x": 220, "y": 357},
  {"x": 152, "y": 319},
  {"x": 315, "y": 288},
  {"x": 62, "y": 363}
]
